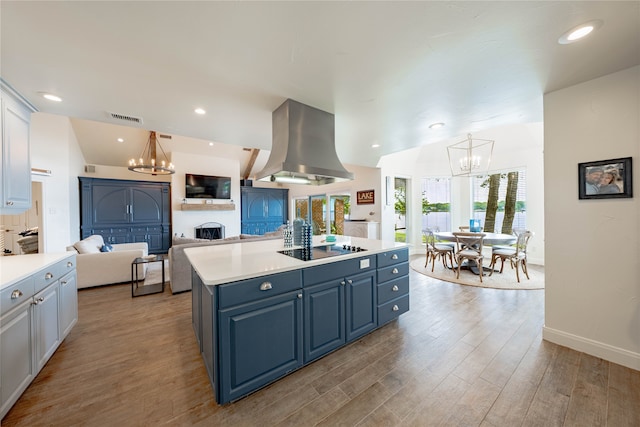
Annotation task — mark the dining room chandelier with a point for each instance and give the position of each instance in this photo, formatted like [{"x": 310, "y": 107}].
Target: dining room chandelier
[
  {"x": 470, "y": 157},
  {"x": 148, "y": 162}
]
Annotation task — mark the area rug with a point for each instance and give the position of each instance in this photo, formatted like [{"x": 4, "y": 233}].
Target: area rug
[{"x": 506, "y": 280}]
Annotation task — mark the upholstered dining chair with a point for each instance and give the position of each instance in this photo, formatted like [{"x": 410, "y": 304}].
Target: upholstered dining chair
[
  {"x": 517, "y": 255},
  {"x": 469, "y": 247},
  {"x": 435, "y": 250}
]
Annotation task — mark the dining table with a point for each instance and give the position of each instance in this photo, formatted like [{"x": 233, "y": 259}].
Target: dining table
[{"x": 490, "y": 239}]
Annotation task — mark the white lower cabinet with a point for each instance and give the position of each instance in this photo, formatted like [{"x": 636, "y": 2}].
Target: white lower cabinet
[
  {"x": 33, "y": 325},
  {"x": 68, "y": 304},
  {"x": 16, "y": 351},
  {"x": 45, "y": 315}
]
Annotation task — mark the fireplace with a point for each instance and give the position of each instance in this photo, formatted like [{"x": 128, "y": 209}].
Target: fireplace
[{"x": 209, "y": 230}]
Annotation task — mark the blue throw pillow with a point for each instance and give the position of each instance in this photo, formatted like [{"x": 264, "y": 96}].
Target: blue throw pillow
[{"x": 106, "y": 248}]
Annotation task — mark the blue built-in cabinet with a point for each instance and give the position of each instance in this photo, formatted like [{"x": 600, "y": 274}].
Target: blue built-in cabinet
[
  {"x": 123, "y": 211},
  {"x": 263, "y": 209},
  {"x": 252, "y": 332}
]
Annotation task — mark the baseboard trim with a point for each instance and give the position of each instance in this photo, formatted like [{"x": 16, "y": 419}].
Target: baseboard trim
[{"x": 594, "y": 348}]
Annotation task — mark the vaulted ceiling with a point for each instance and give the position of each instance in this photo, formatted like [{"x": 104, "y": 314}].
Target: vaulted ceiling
[{"x": 387, "y": 70}]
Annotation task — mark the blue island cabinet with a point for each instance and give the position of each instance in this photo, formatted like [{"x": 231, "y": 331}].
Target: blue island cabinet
[
  {"x": 252, "y": 332},
  {"x": 341, "y": 309},
  {"x": 258, "y": 325}
]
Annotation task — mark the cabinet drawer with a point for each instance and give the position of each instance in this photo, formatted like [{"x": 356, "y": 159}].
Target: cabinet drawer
[
  {"x": 261, "y": 287},
  {"x": 110, "y": 230},
  {"x": 16, "y": 294},
  {"x": 393, "y": 289},
  {"x": 393, "y": 309},
  {"x": 393, "y": 257},
  {"x": 67, "y": 266},
  {"x": 48, "y": 275},
  {"x": 393, "y": 272},
  {"x": 340, "y": 269}
]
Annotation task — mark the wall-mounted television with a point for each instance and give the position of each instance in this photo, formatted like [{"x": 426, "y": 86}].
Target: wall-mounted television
[{"x": 207, "y": 187}]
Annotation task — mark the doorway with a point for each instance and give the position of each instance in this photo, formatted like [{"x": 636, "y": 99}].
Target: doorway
[
  {"x": 400, "y": 207},
  {"x": 339, "y": 210},
  {"x": 19, "y": 233}
]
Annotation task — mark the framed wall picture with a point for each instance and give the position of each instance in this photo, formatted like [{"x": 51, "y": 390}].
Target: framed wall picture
[
  {"x": 365, "y": 197},
  {"x": 605, "y": 179}
]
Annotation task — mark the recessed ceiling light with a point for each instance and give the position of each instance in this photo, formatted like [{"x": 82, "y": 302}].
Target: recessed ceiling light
[
  {"x": 436, "y": 125},
  {"x": 200, "y": 111},
  {"x": 51, "y": 97},
  {"x": 579, "y": 32},
  {"x": 120, "y": 139},
  {"x": 375, "y": 145},
  {"x": 211, "y": 144}
]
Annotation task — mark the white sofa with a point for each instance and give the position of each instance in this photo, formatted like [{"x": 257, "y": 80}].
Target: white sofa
[{"x": 95, "y": 268}]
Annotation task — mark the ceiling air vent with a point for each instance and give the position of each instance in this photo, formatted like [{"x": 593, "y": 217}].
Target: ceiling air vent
[{"x": 124, "y": 117}]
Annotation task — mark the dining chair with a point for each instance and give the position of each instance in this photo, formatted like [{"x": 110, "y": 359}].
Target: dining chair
[
  {"x": 469, "y": 247},
  {"x": 435, "y": 250},
  {"x": 517, "y": 255}
]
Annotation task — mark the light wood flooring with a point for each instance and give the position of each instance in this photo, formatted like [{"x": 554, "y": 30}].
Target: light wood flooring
[{"x": 463, "y": 356}]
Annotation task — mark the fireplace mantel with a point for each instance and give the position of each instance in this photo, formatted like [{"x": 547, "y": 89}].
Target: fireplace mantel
[{"x": 208, "y": 207}]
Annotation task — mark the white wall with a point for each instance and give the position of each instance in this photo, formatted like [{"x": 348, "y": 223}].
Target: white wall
[
  {"x": 592, "y": 298},
  {"x": 516, "y": 146},
  {"x": 55, "y": 148},
  {"x": 185, "y": 221}
]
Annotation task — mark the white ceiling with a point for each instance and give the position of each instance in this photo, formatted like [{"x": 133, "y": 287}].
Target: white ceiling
[{"x": 387, "y": 70}]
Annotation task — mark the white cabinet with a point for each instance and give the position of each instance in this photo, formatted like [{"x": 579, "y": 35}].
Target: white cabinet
[
  {"x": 68, "y": 303},
  {"x": 36, "y": 314},
  {"x": 45, "y": 315},
  {"x": 15, "y": 167},
  {"x": 16, "y": 351},
  {"x": 365, "y": 229}
]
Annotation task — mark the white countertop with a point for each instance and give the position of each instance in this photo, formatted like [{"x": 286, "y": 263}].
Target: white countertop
[
  {"x": 217, "y": 264},
  {"x": 17, "y": 267}
]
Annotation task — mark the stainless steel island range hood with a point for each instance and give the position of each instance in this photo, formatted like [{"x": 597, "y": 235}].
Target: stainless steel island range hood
[{"x": 303, "y": 149}]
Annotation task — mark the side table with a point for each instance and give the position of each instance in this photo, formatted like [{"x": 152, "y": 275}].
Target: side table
[{"x": 136, "y": 288}]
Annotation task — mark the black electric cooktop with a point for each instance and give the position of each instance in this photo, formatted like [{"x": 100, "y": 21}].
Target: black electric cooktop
[{"x": 318, "y": 252}]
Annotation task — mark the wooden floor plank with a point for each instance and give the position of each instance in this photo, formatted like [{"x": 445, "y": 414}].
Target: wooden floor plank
[
  {"x": 461, "y": 356},
  {"x": 588, "y": 402}
]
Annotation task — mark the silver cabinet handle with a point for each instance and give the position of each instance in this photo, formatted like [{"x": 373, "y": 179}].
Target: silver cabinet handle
[
  {"x": 394, "y": 271},
  {"x": 37, "y": 301},
  {"x": 299, "y": 296},
  {"x": 48, "y": 276},
  {"x": 64, "y": 282},
  {"x": 395, "y": 288},
  {"x": 69, "y": 264},
  {"x": 396, "y": 308},
  {"x": 349, "y": 281},
  {"x": 343, "y": 283},
  {"x": 16, "y": 294},
  {"x": 40, "y": 299},
  {"x": 265, "y": 286},
  {"x": 394, "y": 256},
  {"x": 9, "y": 203}
]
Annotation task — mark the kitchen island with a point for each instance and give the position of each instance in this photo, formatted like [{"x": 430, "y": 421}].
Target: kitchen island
[{"x": 259, "y": 312}]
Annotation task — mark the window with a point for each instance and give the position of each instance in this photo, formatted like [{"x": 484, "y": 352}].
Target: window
[
  {"x": 482, "y": 186},
  {"x": 436, "y": 203}
]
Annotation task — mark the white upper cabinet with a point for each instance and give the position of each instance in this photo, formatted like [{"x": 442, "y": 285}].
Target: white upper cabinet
[{"x": 15, "y": 167}]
